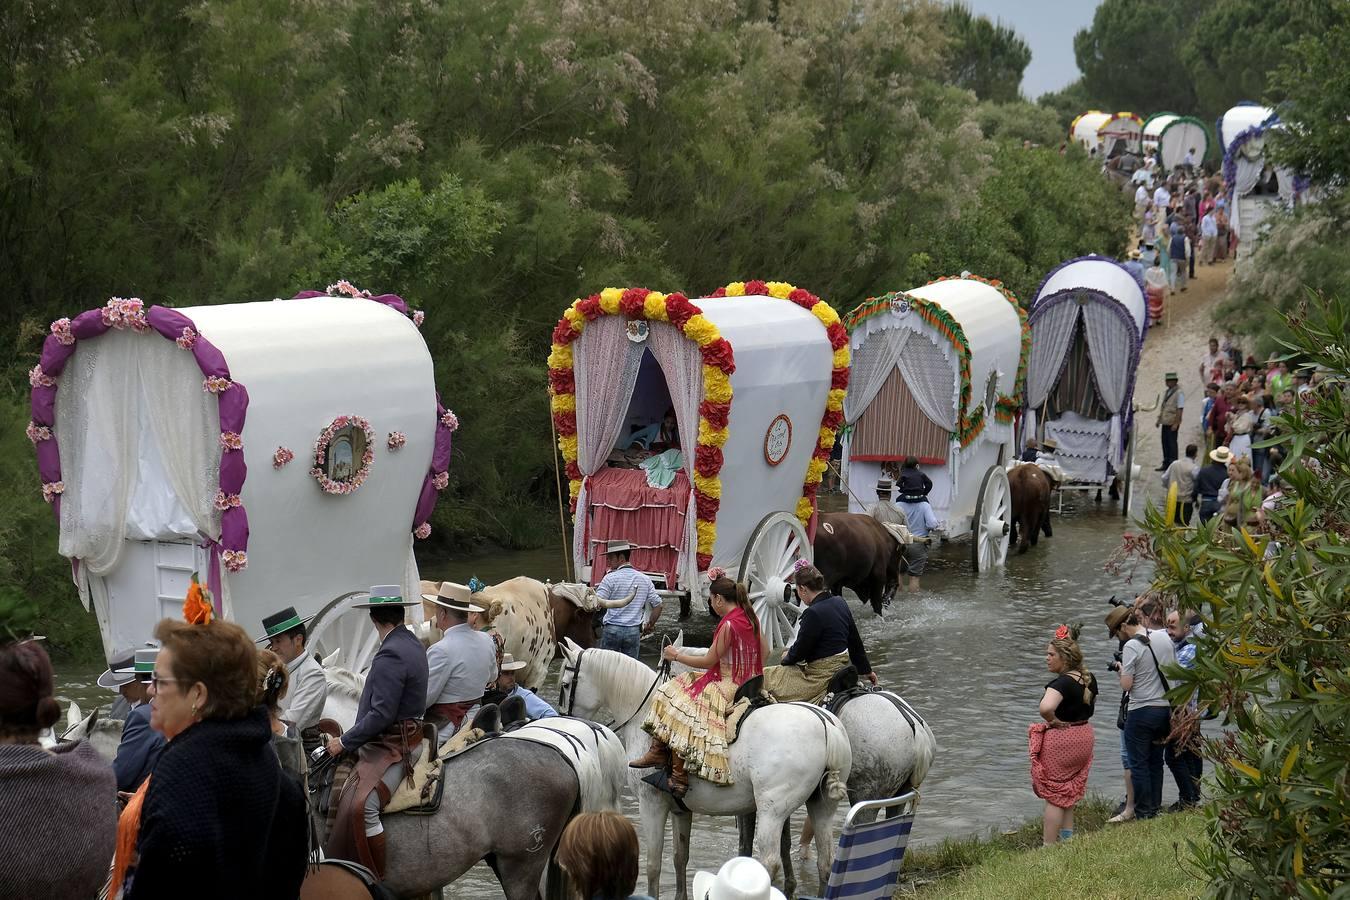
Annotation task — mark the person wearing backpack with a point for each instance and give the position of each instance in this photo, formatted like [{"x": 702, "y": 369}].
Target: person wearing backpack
[{"x": 1147, "y": 649}]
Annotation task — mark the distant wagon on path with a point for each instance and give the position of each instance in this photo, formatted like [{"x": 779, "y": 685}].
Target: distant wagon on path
[
  {"x": 698, "y": 430},
  {"x": 1088, "y": 323},
  {"x": 1255, "y": 184},
  {"x": 286, "y": 450},
  {"x": 1107, "y": 135},
  {"x": 937, "y": 375},
  {"x": 1174, "y": 136}
]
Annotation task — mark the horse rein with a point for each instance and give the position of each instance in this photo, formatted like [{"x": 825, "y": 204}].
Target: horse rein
[{"x": 662, "y": 673}]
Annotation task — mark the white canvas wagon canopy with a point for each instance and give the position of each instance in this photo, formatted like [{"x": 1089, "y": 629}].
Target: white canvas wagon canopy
[
  {"x": 1107, "y": 134},
  {"x": 1255, "y": 185},
  {"x": 168, "y": 446},
  {"x": 937, "y": 373},
  {"x": 690, "y": 426},
  {"x": 1174, "y": 136},
  {"x": 1087, "y": 328}
]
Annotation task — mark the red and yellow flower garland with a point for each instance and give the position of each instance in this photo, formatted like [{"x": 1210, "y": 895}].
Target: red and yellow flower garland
[
  {"x": 714, "y": 408},
  {"x": 715, "y": 405},
  {"x": 839, "y": 372}
]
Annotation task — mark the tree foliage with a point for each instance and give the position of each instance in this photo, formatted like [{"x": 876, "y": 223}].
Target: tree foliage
[
  {"x": 986, "y": 57},
  {"x": 1314, "y": 78},
  {"x": 1275, "y": 655},
  {"x": 1130, "y": 56}
]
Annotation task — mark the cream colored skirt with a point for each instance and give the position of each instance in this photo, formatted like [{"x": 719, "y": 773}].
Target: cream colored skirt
[{"x": 694, "y": 727}]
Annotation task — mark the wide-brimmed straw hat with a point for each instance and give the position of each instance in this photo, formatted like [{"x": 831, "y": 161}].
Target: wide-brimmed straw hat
[
  {"x": 1221, "y": 455},
  {"x": 458, "y": 597},
  {"x": 1115, "y": 618},
  {"x": 383, "y": 596},
  {"x": 618, "y": 547},
  {"x": 740, "y": 878},
  {"x": 511, "y": 664},
  {"x": 1050, "y": 444}
]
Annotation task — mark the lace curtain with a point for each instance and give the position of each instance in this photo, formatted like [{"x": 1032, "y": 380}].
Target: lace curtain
[
  {"x": 605, "y": 365},
  {"x": 139, "y": 443},
  {"x": 1051, "y": 332},
  {"x": 682, "y": 364},
  {"x": 1110, "y": 347},
  {"x": 931, "y": 379},
  {"x": 872, "y": 363}
]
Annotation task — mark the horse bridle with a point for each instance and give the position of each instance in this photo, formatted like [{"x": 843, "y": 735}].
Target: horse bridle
[{"x": 570, "y": 698}]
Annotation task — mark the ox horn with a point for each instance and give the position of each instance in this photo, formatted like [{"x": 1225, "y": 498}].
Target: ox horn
[{"x": 617, "y": 603}]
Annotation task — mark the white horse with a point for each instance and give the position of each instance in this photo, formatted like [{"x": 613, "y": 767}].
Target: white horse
[
  {"x": 786, "y": 755},
  {"x": 103, "y": 734}
]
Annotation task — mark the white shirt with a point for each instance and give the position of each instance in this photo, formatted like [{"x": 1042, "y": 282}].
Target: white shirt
[
  {"x": 1141, "y": 196},
  {"x": 1141, "y": 177},
  {"x": 306, "y": 692},
  {"x": 1161, "y": 197},
  {"x": 460, "y": 665},
  {"x": 1190, "y": 159},
  {"x": 1135, "y": 659}
]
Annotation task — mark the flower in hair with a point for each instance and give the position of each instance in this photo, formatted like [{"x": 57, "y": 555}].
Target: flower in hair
[
  {"x": 799, "y": 565},
  {"x": 1062, "y": 633},
  {"x": 197, "y": 608},
  {"x": 716, "y": 572}
]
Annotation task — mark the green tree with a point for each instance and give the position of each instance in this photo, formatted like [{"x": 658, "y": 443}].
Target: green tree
[
  {"x": 1130, "y": 56},
  {"x": 1274, "y": 658},
  {"x": 982, "y": 56},
  {"x": 1068, "y": 103},
  {"x": 1314, "y": 79}
]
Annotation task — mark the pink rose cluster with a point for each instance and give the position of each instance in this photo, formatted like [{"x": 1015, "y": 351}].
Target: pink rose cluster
[
  {"x": 125, "y": 312},
  {"x": 214, "y": 384},
  {"x": 62, "y": 332},
  {"x": 187, "y": 339},
  {"x": 234, "y": 560},
  {"x": 450, "y": 420},
  {"x": 37, "y": 433},
  {"x": 52, "y": 489},
  {"x": 226, "y": 501},
  {"x": 345, "y": 287},
  {"x": 229, "y": 440},
  {"x": 440, "y": 481},
  {"x": 282, "y": 456},
  {"x": 423, "y": 531},
  {"x": 396, "y": 440},
  {"x": 39, "y": 378}
]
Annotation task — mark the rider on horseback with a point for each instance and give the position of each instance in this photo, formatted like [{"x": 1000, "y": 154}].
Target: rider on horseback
[
  {"x": 387, "y": 733},
  {"x": 687, "y": 720},
  {"x": 827, "y": 640}
]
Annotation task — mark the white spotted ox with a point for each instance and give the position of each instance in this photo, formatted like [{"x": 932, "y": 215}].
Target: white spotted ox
[{"x": 533, "y": 617}]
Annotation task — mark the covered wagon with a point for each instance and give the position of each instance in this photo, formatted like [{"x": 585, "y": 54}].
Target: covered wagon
[
  {"x": 1087, "y": 329},
  {"x": 1255, "y": 184},
  {"x": 1174, "y": 136},
  {"x": 286, "y": 450},
  {"x": 698, "y": 431},
  {"x": 1107, "y": 135},
  {"x": 937, "y": 375}
]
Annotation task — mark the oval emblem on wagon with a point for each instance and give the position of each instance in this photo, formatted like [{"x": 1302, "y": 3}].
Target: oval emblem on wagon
[
  {"x": 778, "y": 440},
  {"x": 638, "y": 331}
]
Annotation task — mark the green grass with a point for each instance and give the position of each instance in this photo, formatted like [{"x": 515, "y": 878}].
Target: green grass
[{"x": 1139, "y": 859}]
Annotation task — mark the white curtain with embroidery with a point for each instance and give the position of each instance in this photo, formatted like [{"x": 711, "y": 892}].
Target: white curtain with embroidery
[
  {"x": 682, "y": 364},
  {"x": 871, "y": 365},
  {"x": 1109, "y": 345},
  {"x": 932, "y": 380},
  {"x": 140, "y": 450},
  {"x": 605, "y": 365},
  {"x": 1051, "y": 333}
]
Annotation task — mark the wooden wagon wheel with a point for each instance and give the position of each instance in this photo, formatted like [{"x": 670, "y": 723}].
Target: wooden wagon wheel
[
  {"x": 344, "y": 634},
  {"x": 777, "y": 542},
  {"x": 991, "y": 524},
  {"x": 1127, "y": 495}
]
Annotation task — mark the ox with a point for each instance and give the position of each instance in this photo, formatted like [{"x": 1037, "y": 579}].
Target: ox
[{"x": 533, "y": 617}]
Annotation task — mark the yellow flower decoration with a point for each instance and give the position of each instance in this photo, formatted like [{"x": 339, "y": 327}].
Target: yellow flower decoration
[
  {"x": 825, "y": 313},
  {"x": 815, "y": 470},
  {"x": 574, "y": 488},
  {"x": 654, "y": 307},
  {"x": 709, "y": 487},
  {"x": 805, "y": 508},
  {"x": 568, "y": 444},
  {"x": 736, "y": 289},
  {"x": 716, "y": 385},
  {"x": 826, "y": 438},
  {"x": 609, "y": 301},
  {"x": 700, "y": 330},
  {"x": 779, "y": 289},
  {"x": 563, "y": 403},
  {"x": 707, "y": 536},
  {"x": 575, "y": 317},
  {"x": 841, "y": 357},
  {"x": 835, "y": 400},
  {"x": 709, "y": 436},
  {"x": 561, "y": 357}
]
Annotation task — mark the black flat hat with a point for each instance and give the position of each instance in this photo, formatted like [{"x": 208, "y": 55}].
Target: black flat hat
[{"x": 281, "y": 622}]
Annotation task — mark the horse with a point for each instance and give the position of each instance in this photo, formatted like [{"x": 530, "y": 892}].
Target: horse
[
  {"x": 856, "y": 551},
  {"x": 787, "y": 754},
  {"x": 103, "y": 734},
  {"x": 1030, "y": 488}
]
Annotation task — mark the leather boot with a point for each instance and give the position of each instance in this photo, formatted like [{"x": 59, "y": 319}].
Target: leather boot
[
  {"x": 376, "y": 842},
  {"x": 679, "y": 779},
  {"x": 658, "y": 755}
]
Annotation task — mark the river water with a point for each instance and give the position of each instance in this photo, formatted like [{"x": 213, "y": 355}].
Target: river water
[{"x": 967, "y": 652}]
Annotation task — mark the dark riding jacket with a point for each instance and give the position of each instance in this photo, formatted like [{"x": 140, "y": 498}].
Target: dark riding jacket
[
  {"x": 827, "y": 628},
  {"x": 396, "y": 688}
]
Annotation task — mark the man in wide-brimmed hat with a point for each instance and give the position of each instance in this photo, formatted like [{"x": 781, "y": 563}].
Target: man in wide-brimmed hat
[
  {"x": 140, "y": 746},
  {"x": 1170, "y": 410},
  {"x": 387, "y": 735},
  {"x": 535, "y": 706},
  {"x": 461, "y": 664},
  {"x": 120, "y": 678},
  {"x": 1209, "y": 479},
  {"x": 624, "y": 626},
  {"x": 307, "y": 689}
]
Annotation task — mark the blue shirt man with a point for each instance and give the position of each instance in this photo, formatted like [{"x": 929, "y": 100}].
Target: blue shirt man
[
  {"x": 922, "y": 521},
  {"x": 535, "y": 706},
  {"x": 624, "y": 626}
]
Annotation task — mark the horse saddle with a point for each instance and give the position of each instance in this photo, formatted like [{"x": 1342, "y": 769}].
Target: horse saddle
[{"x": 846, "y": 686}]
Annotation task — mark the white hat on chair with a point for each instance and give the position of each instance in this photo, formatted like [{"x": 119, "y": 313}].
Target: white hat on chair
[{"x": 740, "y": 878}]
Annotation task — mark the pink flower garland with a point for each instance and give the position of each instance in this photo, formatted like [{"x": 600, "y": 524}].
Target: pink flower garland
[
  {"x": 39, "y": 378},
  {"x": 231, "y": 441},
  {"x": 214, "y": 384},
  {"x": 423, "y": 531},
  {"x": 450, "y": 420},
  {"x": 440, "y": 481},
  {"x": 51, "y": 489},
  {"x": 226, "y": 501},
  {"x": 61, "y": 330},
  {"x": 125, "y": 312},
  {"x": 37, "y": 433},
  {"x": 321, "y": 451},
  {"x": 234, "y": 560},
  {"x": 187, "y": 339}
]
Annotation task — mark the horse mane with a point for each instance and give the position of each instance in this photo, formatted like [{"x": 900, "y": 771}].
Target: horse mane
[
  {"x": 348, "y": 683},
  {"x": 626, "y": 680}
]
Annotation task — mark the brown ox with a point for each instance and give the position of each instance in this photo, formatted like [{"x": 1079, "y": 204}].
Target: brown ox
[
  {"x": 532, "y": 617},
  {"x": 854, "y": 550}
]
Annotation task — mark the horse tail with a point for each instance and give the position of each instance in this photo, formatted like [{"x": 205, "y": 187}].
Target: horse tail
[{"x": 838, "y": 760}]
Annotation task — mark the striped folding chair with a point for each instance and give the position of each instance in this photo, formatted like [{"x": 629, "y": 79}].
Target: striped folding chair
[{"x": 867, "y": 861}]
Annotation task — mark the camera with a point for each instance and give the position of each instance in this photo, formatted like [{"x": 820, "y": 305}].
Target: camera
[
  {"x": 1114, "y": 602},
  {"x": 1114, "y": 665}
]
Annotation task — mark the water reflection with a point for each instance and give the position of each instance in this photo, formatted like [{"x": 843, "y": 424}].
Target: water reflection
[{"x": 967, "y": 652}]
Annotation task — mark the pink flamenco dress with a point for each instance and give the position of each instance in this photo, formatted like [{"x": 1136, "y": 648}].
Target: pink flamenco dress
[{"x": 689, "y": 712}]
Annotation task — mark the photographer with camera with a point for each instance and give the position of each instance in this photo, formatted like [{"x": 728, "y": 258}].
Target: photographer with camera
[
  {"x": 1147, "y": 649},
  {"x": 1119, "y": 613}
]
